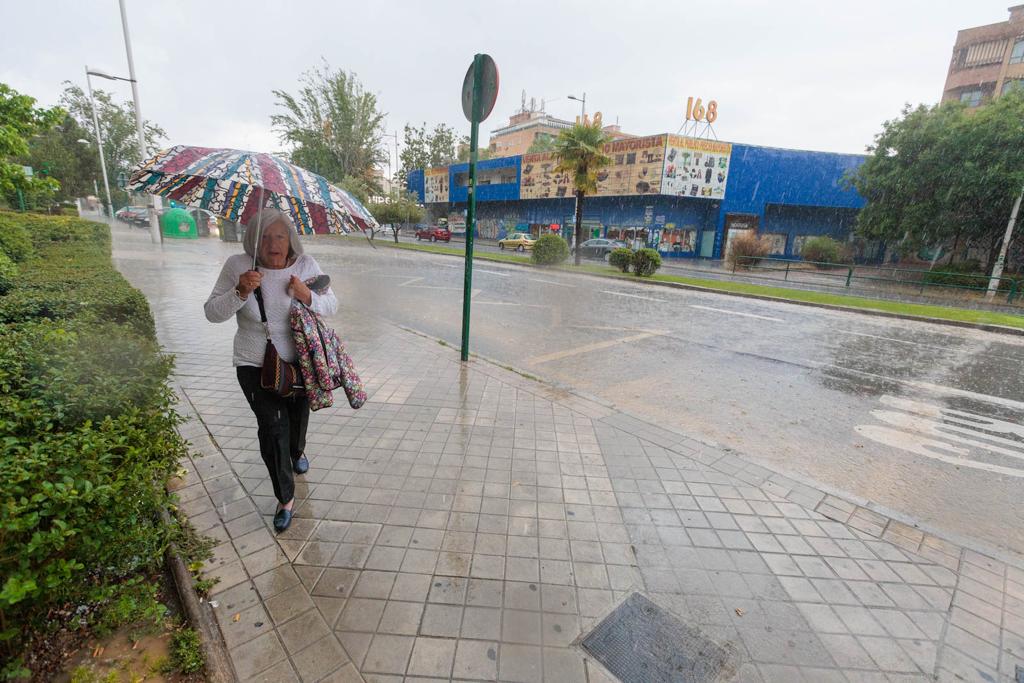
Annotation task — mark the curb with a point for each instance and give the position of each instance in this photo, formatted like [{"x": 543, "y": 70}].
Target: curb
[
  {"x": 217, "y": 664},
  {"x": 921, "y": 538},
  {"x": 985, "y": 327}
]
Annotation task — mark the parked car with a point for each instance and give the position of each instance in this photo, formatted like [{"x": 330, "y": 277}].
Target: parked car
[
  {"x": 133, "y": 215},
  {"x": 434, "y": 233},
  {"x": 520, "y": 241},
  {"x": 600, "y": 248}
]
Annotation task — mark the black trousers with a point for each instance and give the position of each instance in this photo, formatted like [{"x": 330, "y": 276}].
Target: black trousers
[{"x": 282, "y": 429}]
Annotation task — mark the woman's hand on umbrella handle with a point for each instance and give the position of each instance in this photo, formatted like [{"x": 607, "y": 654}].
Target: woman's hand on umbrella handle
[
  {"x": 299, "y": 290},
  {"x": 247, "y": 283}
]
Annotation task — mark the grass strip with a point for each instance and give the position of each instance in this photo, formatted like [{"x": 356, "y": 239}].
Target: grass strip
[{"x": 968, "y": 315}]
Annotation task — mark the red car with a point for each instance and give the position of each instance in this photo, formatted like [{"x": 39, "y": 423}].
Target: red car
[{"x": 434, "y": 233}]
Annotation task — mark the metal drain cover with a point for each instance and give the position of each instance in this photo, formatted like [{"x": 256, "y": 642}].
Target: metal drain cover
[{"x": 640, "y": 642}]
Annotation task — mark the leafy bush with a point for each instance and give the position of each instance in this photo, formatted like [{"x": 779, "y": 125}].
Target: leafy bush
[
  {"x": 14, "y": 237},
  {"x": 621, "y": 258},
  {"x": 187, "y": 652},
  {"x": 964, "y": 274},
  {"x": 747, "y": 250},
  {"x": 87, "y": 441},
  {"x": 8, "y": 272},
  {"x": 549, "y": 250},
  {"x": 824, "y": 249},
  {"x": 646, "y": 262}
]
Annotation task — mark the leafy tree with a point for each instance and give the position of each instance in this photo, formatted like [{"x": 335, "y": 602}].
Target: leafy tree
[
  {"x": 580, "y": 153},
  {"x": 59, "y": 154},
  {"x": 357, "y": 187},
  {"x": 542, "y": 143},
  {"x": 482, "y": 153},
  {"x": 944, "y": 176},
  {"x": 20, "y": 120},
  {"x": 117, "y": 128},
  {"x": 400, "y": 210},
  {"x": 422, "y": 148},
  {"x": 333, "y": 125}
]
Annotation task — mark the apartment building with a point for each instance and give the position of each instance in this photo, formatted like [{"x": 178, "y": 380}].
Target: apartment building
[{"x": 987, "y": 61}]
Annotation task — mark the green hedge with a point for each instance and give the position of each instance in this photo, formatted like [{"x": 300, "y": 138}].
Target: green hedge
[
  {"x": 621, "y": 258},
  {"x": 646, "y": 262},
  {"x": 15, "y": 242},
  {"x": 87, "y": 439},
  {"x": 549, "y": 250}
]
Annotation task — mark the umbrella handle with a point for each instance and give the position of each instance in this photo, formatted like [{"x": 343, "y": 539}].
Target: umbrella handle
[{"x": 259, "y": 226}]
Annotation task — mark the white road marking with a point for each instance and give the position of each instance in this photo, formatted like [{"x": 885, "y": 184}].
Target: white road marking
[
  {"x": 944, "y": 434},
  {"x": 633, "y": 296},
  {"x": 510, "y": 303},
  {"x": 409, "y": 281},
  {"x": 492, "y": 272},
  {"x": 950, "y": 391},
  {"x": 914, "y": 443},
  {"x": 550, "y": 282},
  {"x": 745, "y": 315},
  {"x": 596, "y": 346}
]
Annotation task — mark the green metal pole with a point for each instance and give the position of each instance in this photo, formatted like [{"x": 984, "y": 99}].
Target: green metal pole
[
  {"x": 21, "y": 199},
  {"x": 467, "y": 285}
]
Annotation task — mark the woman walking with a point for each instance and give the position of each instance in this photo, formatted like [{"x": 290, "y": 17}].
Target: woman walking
[{"x": 281, "y": 272}]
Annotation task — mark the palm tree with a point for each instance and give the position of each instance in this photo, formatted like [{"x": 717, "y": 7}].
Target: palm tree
[{"x": 580, "y": 153}]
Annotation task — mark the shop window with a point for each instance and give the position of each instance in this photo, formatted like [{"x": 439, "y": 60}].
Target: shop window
[
  {"x": 798, "y": 243},
  {"x": 777, "y": 240},
  {"x": 677, "y": 241},
  {"x": 1017, "y": 55}
]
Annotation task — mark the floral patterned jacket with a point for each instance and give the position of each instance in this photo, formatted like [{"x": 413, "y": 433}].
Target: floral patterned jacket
[{"x": 323, "y": 362}]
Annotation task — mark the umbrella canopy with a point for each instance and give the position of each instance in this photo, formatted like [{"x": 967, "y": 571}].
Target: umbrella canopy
[{"x": 232, "y": 183}]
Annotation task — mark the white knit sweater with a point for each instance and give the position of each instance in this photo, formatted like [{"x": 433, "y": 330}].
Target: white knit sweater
[{"x": 251, "y": 339}]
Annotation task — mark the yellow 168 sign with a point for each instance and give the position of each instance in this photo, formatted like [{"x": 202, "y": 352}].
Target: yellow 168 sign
[{"x": 695, "y": 111}]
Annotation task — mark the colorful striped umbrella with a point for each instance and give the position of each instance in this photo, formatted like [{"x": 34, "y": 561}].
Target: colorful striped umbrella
[{"x": 232, "y": 183}]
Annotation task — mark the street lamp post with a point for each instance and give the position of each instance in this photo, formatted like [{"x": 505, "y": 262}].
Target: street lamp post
[
  {"x": 583, "y": 101},
  {"x": 997, "y": 270},
  {"x": 99, "y": 141},
  {"x": 154, "y": 225}
]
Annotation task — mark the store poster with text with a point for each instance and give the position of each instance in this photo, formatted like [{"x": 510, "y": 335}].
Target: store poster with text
[
  {"x": 635, "y": 168},
  {"x": 435, "y": 185},
  {"x": 539, "y": 180},
  {"x": 696, "y": 168}
]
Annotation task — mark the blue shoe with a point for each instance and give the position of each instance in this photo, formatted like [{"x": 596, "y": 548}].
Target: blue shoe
[
  {"x": 300, "y": 465},
  {"x": 282, "y": 520}
]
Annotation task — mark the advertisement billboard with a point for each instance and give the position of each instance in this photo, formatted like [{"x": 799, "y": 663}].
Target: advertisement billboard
[
  {"x": 696, "y": 167},
  {"x": 435, "y": 185},
  {"x": 636, "y": 168},
  {"x": 539, "y": 179}
]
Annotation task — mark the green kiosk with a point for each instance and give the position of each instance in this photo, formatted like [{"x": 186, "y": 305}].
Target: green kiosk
[{"x": 178, "y": 224}]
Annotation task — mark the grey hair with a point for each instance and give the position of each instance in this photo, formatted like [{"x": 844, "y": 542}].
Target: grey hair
[{"x": 261, "y": 221}]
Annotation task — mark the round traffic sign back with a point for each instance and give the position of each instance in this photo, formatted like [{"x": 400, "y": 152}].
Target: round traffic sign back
[{"x": 488, "y": 88}]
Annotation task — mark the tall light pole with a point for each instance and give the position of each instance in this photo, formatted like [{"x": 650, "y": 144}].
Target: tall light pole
[
  {"x": 99, "y": 141},
  {"x": 583, "y": 101},
  {"x": 997, "y": 270},
  {"x": 398, "y": 164},
  {"x": 154, "y": 225}
]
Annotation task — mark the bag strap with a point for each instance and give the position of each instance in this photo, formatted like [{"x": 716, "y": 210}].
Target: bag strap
[{"x": 263, "y": 311}]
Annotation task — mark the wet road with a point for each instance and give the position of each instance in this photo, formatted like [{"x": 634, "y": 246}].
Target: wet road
[{"x": 922, "y": 419}]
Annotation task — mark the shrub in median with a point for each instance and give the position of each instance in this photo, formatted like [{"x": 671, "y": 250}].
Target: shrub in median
[
  {"x": 549, "y": 250},
  {"x": 14, "y": 239},
  {"x": 646, "y": 262},
  {"x": 8, "y": 272},
  {"x": 747, "y": 250},
  {"x": 825, "y": 250},
  {"x": 87, "y": 443},
  {"x": 621, "y": 258}
]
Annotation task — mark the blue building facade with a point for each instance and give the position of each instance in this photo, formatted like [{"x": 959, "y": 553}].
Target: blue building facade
[{"x": 783, "y": 194}]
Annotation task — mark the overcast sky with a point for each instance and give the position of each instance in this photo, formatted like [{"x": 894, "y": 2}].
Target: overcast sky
[{"x": 807, "y": 74}]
